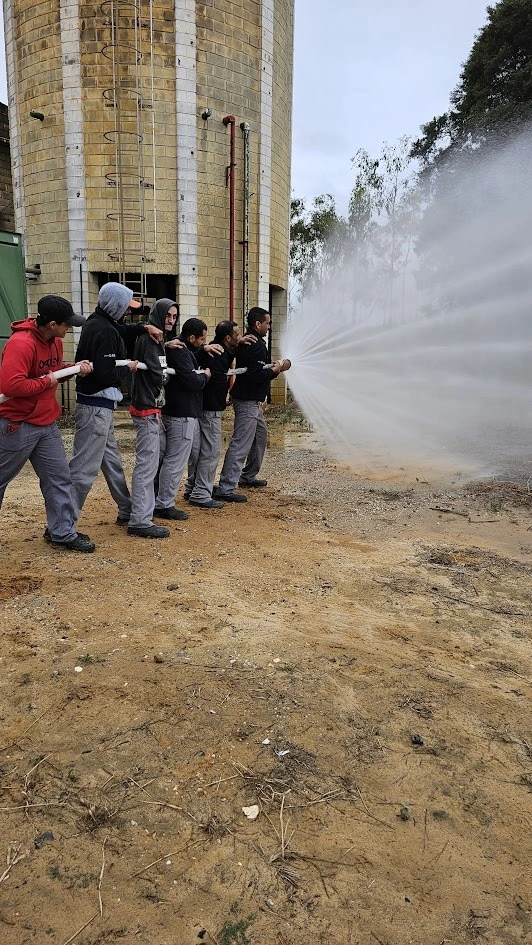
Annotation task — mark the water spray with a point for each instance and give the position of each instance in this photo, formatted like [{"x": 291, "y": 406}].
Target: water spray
[{"x": 419, "y": 348}]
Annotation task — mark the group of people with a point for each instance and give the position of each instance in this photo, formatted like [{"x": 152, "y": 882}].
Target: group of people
[{"x": 180, "y": 386}]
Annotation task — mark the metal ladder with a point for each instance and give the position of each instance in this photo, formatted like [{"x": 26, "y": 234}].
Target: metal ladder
[{"x": 131, "y": 98}]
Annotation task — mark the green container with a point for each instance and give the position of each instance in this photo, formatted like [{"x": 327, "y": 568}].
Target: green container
[{"x": 13, "y": 299}]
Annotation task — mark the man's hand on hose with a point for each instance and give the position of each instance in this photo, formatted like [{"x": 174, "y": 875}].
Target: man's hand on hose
[
  {"x": 133, "y": 366},
  {"x": 280, "y": 366},
  {"x": 85, "y": 367}
]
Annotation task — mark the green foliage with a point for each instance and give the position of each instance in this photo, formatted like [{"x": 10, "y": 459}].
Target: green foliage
[
  {"x": 316, "y": 237},
  {"x": 494, "y": 94},
  {"x": 234, "y": 933},
  {"x": 496, "y": 82},
  {"x": 380, "y": 207},
  {"x": 383, "y": 207}
]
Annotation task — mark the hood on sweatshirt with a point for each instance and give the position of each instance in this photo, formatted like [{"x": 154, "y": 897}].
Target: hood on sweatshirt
[
  {"x": 48, "y": 353},
  {"x": 115, "y": 299},
  {"x": 28, "y": 324},
  {"x": 157, "y": 316}
]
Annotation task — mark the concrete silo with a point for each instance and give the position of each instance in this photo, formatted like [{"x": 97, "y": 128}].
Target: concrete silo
[{"x": 150, "y": 143}]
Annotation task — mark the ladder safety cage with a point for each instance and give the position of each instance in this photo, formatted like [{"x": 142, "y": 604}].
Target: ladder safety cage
[{"x": 131, "y": 96}]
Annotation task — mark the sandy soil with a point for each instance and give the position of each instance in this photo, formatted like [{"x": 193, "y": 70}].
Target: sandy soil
[{"x": 338, "y": 652}]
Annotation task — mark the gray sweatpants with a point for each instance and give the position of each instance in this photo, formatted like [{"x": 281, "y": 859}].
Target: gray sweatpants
[
  {"x": 145, "y": 470},
  {"x": 204, "y": 457},
  {"x": 44, "y": 448},
  {"x": 247, "y": 447},
  {"x": 177, "y": 436},
  {"x": 95, "y": 448}
]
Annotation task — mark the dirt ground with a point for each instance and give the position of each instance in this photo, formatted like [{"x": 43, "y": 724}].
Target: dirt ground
[{"x": 349, "y": 653}]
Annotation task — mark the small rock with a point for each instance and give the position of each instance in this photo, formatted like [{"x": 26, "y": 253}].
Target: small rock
[
  {"x": 404, "y": 813},
  {"x": 251, "y": 812},
  {"x": 158, "y": 658},
  {"x": 172, "y": 587},
  {"x": 47, "y": 835},
  {"x": 417, "y": 740}
]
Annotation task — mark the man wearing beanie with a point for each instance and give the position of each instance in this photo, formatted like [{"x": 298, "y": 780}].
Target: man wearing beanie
[
  {"x": 103, "y": 342},
  {"x": 28, "y": 427}
]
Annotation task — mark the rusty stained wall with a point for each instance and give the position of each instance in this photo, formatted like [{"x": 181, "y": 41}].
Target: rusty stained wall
[
  {"x": 7, "y": 213},
  {"x": 39, "y": 88}
]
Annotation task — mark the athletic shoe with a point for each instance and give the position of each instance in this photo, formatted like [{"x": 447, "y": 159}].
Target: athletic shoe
[
  {"x": 210, "y": 504},
  {"x": 148, "y": 531},
  {"x": 122, "y": 520},
  {"x": 47, "y": 537},
  {"x": 176, "y": 515},
  {"x": 230, "y": 497},
  {"x": 186, "y": 496},
  {"x": 79, "y": 543},
  {"x": 253, "y": 483}
]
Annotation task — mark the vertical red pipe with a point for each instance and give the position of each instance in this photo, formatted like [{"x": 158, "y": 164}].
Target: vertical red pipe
[{"x": 230, "y": 178}]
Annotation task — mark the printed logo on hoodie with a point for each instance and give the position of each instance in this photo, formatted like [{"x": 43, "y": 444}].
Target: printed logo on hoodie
[{"x": 51, "y": 362}]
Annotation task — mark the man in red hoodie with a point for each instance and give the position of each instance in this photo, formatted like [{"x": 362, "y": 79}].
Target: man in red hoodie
[{"x": 28, "y": 427}]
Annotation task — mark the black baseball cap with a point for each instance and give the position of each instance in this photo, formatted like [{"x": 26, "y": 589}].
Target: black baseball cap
[{"x": 54, "y": 308}]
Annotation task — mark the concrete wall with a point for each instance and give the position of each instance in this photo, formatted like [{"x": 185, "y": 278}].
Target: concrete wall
[{"x": 233, "y": 57}]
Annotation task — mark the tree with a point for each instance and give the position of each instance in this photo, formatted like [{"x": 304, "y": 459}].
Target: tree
[
  {"x": 494, "y": 94},
  {"x": 317, "y": 240},
  {"x": 381, "y": 209}
]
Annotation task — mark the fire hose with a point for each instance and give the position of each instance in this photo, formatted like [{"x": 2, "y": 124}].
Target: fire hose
[{"x": 75, "y": 369}]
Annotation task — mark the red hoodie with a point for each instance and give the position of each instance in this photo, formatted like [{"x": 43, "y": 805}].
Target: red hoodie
[{"x": 26, "y": 357}]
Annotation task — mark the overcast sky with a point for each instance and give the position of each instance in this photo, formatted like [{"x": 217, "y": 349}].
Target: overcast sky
[{"x": 366, "y": 71}]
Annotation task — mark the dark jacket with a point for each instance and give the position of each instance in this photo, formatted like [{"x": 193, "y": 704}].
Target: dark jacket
[
  {"x": 184, "y": 391},
  {"x": 215, "y": 393},
  {"x": 147, "y": 385},
  {"x": 255, "y": 383},
  {"x": 102, "y": 342}
]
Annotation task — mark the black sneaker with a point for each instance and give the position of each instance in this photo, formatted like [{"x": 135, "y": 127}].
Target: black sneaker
[
  {"x": 148, "y": 531},
  {"x": 230, "y": 496},
  {"x": 79, "y": 543},
  {"x": 47, "y": 537},
  {"x": 209, "y": 504},
  {"x": 122, "y": 520},
  {"x": 176, "y": 515},
  {"x": 253, "y": 483},
  {"x": 186, "y": 496}
]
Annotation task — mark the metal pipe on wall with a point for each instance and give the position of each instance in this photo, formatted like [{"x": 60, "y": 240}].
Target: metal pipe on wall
[
  {"x": 230, "y": 179},
  {"x": 245, "y": 226}
]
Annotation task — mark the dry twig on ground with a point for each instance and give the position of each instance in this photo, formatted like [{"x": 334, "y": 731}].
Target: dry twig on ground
[{"x": 14, "y": 856}]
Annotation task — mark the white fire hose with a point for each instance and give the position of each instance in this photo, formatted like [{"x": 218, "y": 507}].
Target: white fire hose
[{"x": 75, "y": 369}]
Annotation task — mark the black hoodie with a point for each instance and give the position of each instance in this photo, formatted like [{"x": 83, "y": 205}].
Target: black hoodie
[
  {"x": 184, "y": 391},
  {"x": 103, "y": 342},
  {"x": 215, "y": 393},
  {"x": 148, "y": 385},
  {"x": 255, "y": 383}
]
